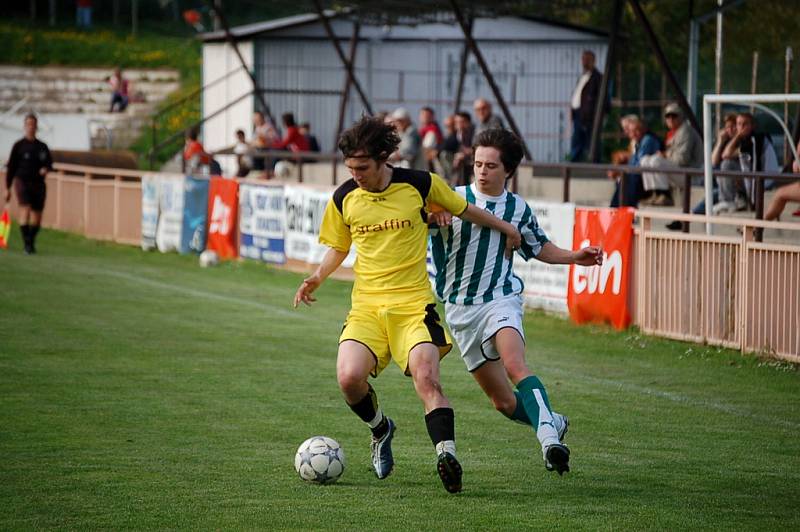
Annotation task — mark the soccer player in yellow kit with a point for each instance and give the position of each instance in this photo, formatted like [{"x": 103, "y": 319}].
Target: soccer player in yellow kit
[{"x": 393, "y": 315}]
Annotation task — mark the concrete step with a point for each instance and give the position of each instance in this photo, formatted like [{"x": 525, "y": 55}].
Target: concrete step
[{"x": 87, "y": 73}]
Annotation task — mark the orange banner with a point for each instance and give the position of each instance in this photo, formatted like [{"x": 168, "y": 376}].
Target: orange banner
[
  {"x": 223, "y": 204},
  {"x": 600, "y": 293},
  {"x": 5, "y": 229}
]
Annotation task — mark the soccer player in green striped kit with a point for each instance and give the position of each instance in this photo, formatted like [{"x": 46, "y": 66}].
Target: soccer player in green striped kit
[{"x": 483, "y": 297}]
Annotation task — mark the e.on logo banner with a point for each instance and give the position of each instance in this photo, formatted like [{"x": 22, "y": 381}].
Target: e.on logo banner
[
  {"x": 223, "y": 200},
  {"x": 600, "y": 293}
]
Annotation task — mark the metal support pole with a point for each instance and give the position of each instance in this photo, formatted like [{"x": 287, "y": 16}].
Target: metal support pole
[
  {"x": 687, "y": 199},
  {"x": 718, "y": 64},
  {"x": 662, "y": 60},
  {"x": 707, "y": 166},
  {"x": 565, "y": 175},
  {"x": 787, "y": 88},
  {"x": 232, "y": 42},
  {"x": 488, "y": 75},
  {"x": 349, "y": 66},
  {"x": 754, "y": 78},
  {"x": 462, "y": 71},
  {"x": 599, "y": 111},
  {"x": 345, "y": 96},
  {"x": 691, "y": 74}
]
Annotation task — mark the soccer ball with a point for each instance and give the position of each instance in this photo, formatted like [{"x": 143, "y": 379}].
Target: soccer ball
[
  {"x": 319, "y": 459},
  {"x": 208, "y": 258},
  {"x": 283, "y": 169}
]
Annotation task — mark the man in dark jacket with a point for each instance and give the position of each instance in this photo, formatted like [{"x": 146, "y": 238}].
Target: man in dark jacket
[
  {"x": 27, "y": 167},
  {"x": 583, "y": 104}
]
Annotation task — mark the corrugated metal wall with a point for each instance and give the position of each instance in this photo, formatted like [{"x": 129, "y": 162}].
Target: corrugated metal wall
[{"x": 536, "y": 79}]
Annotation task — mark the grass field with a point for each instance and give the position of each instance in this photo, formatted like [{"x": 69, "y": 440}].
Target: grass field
[{"x": 139, "y": 391}]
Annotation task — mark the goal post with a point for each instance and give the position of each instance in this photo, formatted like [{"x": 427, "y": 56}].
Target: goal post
[{"x": 755, "y": 100}]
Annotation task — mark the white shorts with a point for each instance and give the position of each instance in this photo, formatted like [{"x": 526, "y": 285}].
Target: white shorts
[{"x": 474, "y": 327}]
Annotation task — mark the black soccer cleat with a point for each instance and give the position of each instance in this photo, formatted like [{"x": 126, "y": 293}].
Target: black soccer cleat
[
  {"x": 556, "y": 458},
  {"x": 449, "y": 471}
]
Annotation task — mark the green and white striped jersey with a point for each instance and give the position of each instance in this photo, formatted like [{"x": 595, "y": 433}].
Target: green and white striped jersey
[{"x": 470, "y": 262}]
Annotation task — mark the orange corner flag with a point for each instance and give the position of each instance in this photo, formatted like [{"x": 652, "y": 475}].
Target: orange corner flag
[{"x": 5, "y": 229}]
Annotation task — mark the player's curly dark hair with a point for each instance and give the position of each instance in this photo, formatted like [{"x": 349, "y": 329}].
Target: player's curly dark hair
[
  {"x": 506, "y": 142},
  {"x": 370, "y": 136}
]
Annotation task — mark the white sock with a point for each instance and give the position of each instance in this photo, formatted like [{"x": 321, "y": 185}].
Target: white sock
[{"x": 448, "y": 446}]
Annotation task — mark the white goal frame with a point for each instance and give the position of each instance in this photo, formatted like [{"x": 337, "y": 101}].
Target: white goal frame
[{"x": 754, "y": 100}]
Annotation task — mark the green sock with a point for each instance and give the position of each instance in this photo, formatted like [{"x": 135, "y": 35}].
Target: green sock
[
  {"x": 519, "y": 415},
  {"x": 537, "y": 406}
]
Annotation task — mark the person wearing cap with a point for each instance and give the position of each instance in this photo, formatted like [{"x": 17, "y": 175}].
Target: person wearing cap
[
  {"x": 684, "y": 149},
  {"x": 409, "y": 152}
]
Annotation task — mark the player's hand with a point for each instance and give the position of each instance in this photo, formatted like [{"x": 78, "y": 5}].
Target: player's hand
[
  {"x": 513, "y": 241},
  {"x": 589, "y": 256},
  {"x": 440, "y": 218},
  {"x": 303, "y": 293}
]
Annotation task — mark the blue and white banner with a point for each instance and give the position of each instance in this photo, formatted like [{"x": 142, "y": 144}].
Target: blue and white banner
[
  {"x": 546, "y": 285},
  {"x": 261, "y": 223},
  {"x": 150, "y": 188},
  {"x": 170, "y": 217},
  {"x": 195, "y": 215}
]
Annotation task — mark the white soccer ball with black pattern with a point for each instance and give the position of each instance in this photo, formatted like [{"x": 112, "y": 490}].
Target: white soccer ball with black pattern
[
  {"x": 319, "y": 459},
  {"x": 208, "y": 259}
]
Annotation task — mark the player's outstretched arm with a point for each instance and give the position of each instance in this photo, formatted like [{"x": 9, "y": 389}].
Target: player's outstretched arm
[
  {"x": 333, "y": 259},
  {"x": 478, "y": 216},
  {"x": 588, "y": 256}
]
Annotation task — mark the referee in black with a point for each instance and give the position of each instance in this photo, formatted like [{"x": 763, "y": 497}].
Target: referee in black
[{"x": 28, "y": 165}]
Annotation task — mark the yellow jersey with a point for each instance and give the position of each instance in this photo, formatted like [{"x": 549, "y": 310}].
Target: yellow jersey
[{"x": 390, "y": 231}]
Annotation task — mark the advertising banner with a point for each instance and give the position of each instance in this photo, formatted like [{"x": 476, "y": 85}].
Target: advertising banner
[
  {"x": 546, "y": 285},
  {"x": 600, "y": 294},
  {"x": 223, "y": 208},
  {"x": 261, "y": 223},
  {"x": 304, "y": 210},
  {"x": 170, "y": 215},
  {"x": 195, "y": 214},
  {"x": 150, "y": 189}
]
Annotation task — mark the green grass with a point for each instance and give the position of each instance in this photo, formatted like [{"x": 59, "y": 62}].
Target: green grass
[
  {"x": 138, "y": 390},
  {"x": 107, "y": 47}
]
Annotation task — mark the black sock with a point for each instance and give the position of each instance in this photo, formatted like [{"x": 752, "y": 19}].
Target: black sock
[
  {"x": 441, "y": 425},
  {"x": 33, "y": 230},
  {"x": 370, "y": 413},
  {"x": 26, "y": 235}
]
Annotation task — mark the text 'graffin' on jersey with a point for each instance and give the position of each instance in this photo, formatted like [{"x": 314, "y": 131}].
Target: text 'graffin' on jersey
[{"x": 387, "y": 225}]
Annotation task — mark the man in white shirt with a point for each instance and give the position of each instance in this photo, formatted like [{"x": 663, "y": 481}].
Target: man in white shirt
[{"x": 583, "y": 104}]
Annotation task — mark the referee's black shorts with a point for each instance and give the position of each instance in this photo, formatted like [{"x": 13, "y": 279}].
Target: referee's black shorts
[{"x": 30, "y": 193}]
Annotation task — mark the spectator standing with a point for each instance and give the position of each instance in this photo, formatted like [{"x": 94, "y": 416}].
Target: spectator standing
[
  {"x": 583, "y": 105},
  {"x": 83, "y": 14},
  {"x": 195, "y": 155},
  {"x": 431, "y": 136},
  {"x": 293, "y": 140},
  {"x": 264, "y": 136},
  {"x": 242, "y": 151},
  {"x": 409, "y": 151},
  {"x": 313, "y": 143},
  {"x": 684, "y": 149},
  {"x": 28, "y": 165},
  {"x": 748, "y": 150},
  {"x": 119, "y": 91},
  {"x": 644, "y": 143},
  {"x": 486, "y": 119}
]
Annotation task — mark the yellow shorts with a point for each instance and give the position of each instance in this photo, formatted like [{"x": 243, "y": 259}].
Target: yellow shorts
[{"x": 392, "y": 331}]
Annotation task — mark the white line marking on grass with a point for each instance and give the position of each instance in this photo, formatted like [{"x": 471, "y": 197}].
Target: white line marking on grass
[{"x": 677, "y": 398}]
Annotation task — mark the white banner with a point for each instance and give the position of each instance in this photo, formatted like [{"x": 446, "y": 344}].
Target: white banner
[
  {"x": 150, "y": 189},
  {"x": 546, "y": 284},
  {"x": 170, "y": 219},
  {"x": 261, "y": 223},
  {"x": 304, "y": 209}
]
